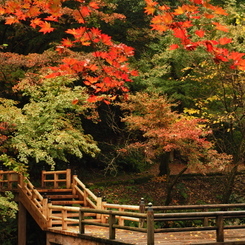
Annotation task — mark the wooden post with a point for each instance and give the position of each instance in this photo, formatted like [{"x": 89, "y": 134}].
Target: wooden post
[
  {"x": 85, "y": 195},
  {"x": 81, "y": 225},
  {"x": 45, "y": 206},
  {"x": 205, "y": 220},
  {"x": 150, "y": 225},
  {"x": 120, "y": 218},
  {"x": 220, "y": 228},
  {"x": 49, "y": 213},
  {"x": 112, "y": 229},
  {"x": 42, "y": 179},
  {"x": 68, "y": 177},
  {"x": 21, "y": 225},
  {"x": 99, "y": 205},
  {"x": 1, "y": 176},
  {"x": 141, "y": 210},
  {"x": 74, "y": 183},
  {"x": 9, "y": 181},
  {"x": 56, "y": 177},
  {"x": 103, "y": 217},
  {"x": 64, "y": 222}
]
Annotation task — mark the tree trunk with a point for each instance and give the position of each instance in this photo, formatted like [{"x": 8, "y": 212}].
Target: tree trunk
[
  {"x": 164, "y": 159},
  {"x": 170, "y": 186},
  {"x": 230, "y": 184}
]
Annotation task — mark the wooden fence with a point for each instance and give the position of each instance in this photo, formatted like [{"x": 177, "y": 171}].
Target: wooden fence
[{"x": 151, "y": 218}]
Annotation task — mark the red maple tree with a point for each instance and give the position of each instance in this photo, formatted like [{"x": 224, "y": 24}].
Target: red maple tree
[{"x": 106, "y": 71}]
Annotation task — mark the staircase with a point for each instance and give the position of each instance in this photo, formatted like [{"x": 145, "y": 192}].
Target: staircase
[
  {"x": 63, "y": 197},
  {"x": 56, "y": 204}
]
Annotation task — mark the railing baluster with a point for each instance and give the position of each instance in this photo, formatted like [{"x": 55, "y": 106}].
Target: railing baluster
[
  {"x": 220, "y": 228},
  {"x": 150, "y": 225},
  {"x": 112, "y": 230},
  {"x": 81, "y": 224}
]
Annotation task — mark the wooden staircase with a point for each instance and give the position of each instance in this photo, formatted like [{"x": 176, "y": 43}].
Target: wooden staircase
[
  {"x": 63, "y": 197},
  {"x": 56, "y": 204}
]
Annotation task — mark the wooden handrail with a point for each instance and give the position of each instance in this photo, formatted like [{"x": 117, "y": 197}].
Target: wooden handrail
[
  {"x": 90, "y": 199},
  {"x": 152, "y": 217},
  {"x": 56, "y": 180},
  {"x": 9, "y": 180},
  {"x": 62, "y": 216}
]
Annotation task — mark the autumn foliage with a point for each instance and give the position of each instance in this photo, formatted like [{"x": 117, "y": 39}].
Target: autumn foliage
[
  {"x": 192, "y": 24},
  {"x": 104, "y": 74}
]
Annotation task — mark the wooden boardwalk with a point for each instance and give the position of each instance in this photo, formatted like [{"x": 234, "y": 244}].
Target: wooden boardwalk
[
  {"x": 101, "y": 220},
  {"x": 173, "y": 238}
]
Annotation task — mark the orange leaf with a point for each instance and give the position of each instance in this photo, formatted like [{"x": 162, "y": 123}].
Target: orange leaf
[
  {"x": 149, "y": 10},
  {"x": 179, "y": 11},
  {"x": 94, "y": 5},
  {"x": 67, "y": 42},
  {"x": 221, "y": 27},
  {"x": 11, "y": 20},
  {"x": 225, "y": 40},
  {"x": 36, "y": 22},
  {"x": 46, "y": 27},
  {"x": 180, "y": 33},
  {"x": 75, "y": 101},
  {"x": 219, "y": 10},
  {"x": 200, "y": 33},
  {"x": 85, "y": 11},
  {"x": 173, "y": 46}
]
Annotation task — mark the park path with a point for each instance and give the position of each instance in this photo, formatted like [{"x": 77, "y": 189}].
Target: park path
[{"x": 170, "y": 238}]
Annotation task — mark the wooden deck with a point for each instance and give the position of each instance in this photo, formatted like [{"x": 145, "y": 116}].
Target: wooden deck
[
  {"x": 86, "y": 215},
  {"x": 173, "y": 238}
]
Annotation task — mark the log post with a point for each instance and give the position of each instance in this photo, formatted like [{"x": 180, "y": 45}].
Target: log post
[
  {"x": 21, "y": 225},
  {"x": 56, "y": 177},
  {"x": 43, "y": 178},
  {"x": 64, "y": 217},
  {"x": 45, "y": 205},
  {"x": 81, "y": 225},
  {"x": 74, "y": 183},
  {"x": 205, "y": 220},
  {"x": 141, "y": 210},
  {"x": 220, "y": 228},
  {"x": 112, "y": 229},
  {"x": 1, "y": 176},
  {"x": 150, "y": 225},
  {"x": 99, "y": 205},
  {"x": 68, "y": 177},
  {"x": 49, "y": 213},
  {"x": 103, "y": 217}
]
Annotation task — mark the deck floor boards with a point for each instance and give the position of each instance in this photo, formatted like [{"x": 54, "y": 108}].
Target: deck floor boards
[{"x": 173, "y": 238}]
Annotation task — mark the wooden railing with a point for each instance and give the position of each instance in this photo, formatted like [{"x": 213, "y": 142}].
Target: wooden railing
[
  {"x": 216, "y": 217},
  {"x": 9, "y": 180},
  {"x": 90, "y": 199},
  {"x": 62, "y": 217},
  {"x": 54, "y": 179},
  {"x": 34, "y": 202},
  {"x": 151, "y": 218}
]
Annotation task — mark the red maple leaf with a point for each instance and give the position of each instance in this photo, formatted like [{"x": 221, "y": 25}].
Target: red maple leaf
[
  {"x": 173, "y": 46},
  {"x": 67, "y": 42},
  {"x": 225, "y": 40},
  {"x": 220, "y": 27},
  {"x": 180, "y": 33},
  {"x": 200, "y": 33},
  {"x": 46, "y": 27}
]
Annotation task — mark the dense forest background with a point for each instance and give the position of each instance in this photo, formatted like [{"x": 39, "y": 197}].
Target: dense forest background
[{"x": 122, "y": 87}]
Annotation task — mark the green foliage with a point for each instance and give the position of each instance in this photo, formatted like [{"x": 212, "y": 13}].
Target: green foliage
[
  {"x": 8, "y": 207},
  {"x": 49, "y": 126}
]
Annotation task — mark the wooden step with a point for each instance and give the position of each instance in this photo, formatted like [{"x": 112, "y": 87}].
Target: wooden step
[
  {"x": 54, "y": 190},
  {"x": 66, "y": 202},
  {"x": 62, "y": 196}
]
